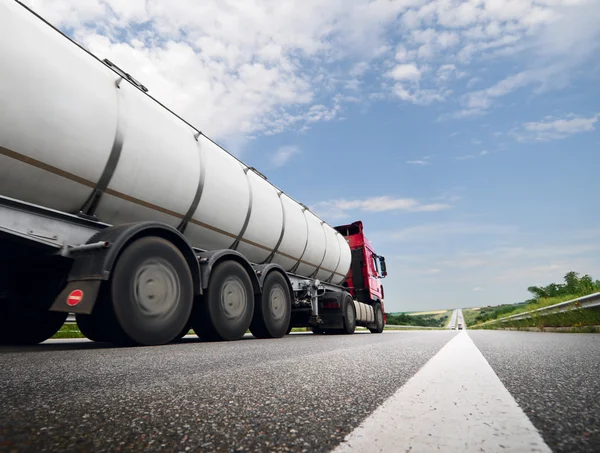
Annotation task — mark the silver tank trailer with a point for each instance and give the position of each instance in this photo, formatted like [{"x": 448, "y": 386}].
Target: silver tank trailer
[{"x": 71, "y": 128}]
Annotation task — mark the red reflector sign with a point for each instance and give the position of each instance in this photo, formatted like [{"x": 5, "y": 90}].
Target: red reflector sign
[{"x": 74, "y": 298}]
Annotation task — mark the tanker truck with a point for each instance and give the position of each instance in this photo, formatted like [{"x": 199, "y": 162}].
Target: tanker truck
[{"x": 115, "y": 209}]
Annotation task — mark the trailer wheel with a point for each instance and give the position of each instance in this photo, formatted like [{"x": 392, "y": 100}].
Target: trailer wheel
[
  {"x": 349, "y": 316},
  {"x": 182, "y": 334},
  {"x": 26, "y": 294},
  {"x": 90, "y": 327},
  {"x": 378, "y": 320},
  {"x": 225, "y": 313},
  {"x": 273, "y": 308},
  {"x": 151, "y": 293},
  {"x": 29, "y": 327}
]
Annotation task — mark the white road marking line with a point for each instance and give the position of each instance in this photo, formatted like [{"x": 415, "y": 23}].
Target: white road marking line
[{"x": 455, "y": 403}]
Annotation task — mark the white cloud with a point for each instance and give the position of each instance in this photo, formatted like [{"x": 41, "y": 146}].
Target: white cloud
[
  {"x": 480, "y": 101},
  {"x": 264, "y": 66},
  {"x": 436, "y": 232},
  {"x": 477, "y": 288},
  {"x": 473, "y": 81},
  {"x": 554, "y": 36},
  {"x": 472, "y": 156},
  {"x": 447, "y": 39},
  {"x": 283, "y": 155},
  {"x": 239, "y": 69},
  {"x": 419, "y": 96},
  {"x": 341, "y": 208},
  {"x": 554, "y": 129},
  {"x": 405, "y": 72},
  {"x": 418, "y": 162},
  {"x": 446, "y": 72},
  {"x": 359, "y": 69},
  {"x": 353, "y": 84}
]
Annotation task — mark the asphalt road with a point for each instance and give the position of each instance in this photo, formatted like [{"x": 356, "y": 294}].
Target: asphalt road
[
  {"x": 453, "y": 317},
  {"x": 555, "y": 378},
  {"x": 456, "y": 318},
  {"x": 299, "y": 393}
]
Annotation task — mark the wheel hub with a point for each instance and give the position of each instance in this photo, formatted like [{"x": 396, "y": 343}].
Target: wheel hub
[
  {"x": 233, "y": 298},
  {"x": 349, "y": 313},
  {"x": 276, "y": 302},
  {"x": 156, "y": 288}
]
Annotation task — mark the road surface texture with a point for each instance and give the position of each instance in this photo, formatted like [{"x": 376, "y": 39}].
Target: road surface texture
[
  {"x": 416, "y": 391},
  {"x": 555, "y": 378},
  {"x": 299, "y": 393}
]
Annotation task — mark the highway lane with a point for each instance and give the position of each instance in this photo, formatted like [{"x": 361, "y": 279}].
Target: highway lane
[
  {"x": 307, "y": 393},
  {"x": 555, "y": 378},
  {"x": 299, "y": 393},
  {"x": 456, "y": 318},
  {"x": 460, "y": 320},
  {"x": 453, "y": 317}
]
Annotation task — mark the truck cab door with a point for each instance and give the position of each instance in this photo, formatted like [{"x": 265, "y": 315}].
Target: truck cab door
[{"x": 374, "y": 274}]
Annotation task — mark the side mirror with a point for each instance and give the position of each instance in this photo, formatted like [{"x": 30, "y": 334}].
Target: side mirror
[{"x": 383, "y": 267}]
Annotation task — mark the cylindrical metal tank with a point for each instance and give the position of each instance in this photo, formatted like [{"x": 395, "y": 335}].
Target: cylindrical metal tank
[{"x": 75, "y": 137}]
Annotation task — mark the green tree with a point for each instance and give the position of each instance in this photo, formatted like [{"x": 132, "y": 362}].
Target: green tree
[
  {"x": 537, "y": 292},
  {"x": 572, "y": 283}
]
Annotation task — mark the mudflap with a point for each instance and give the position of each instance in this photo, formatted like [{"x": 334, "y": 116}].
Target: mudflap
[
  {"x": 78, "y": 297},
  {"x": 332, "y": 321}
]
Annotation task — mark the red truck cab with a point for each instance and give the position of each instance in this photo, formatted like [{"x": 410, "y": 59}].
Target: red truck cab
[{"x": 367, "y": 268}]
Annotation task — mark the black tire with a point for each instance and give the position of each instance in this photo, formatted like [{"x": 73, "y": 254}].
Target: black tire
[
  {"x": 349, "y": 315},
  {"x": 225, "y": 313},
  {"x": 183, "y": 333},
  {"x": 29, "y": 327},
  {"x": 27, "y": 291},
  {"x": 379, "y": 325},
  {"x": 289, "y": 329},
  {"x": 91, "y": 328},
  {"x": 273, "y": 308},
  {"x": 150, "y": 294}
]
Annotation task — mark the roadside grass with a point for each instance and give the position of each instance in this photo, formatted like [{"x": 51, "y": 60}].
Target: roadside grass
[
  {"x": 443, "y": 318},
  {"x": 69, "y": 331},
  {"x": 469, "y": 315},
  {"x": 436, "y": 319},
  {"x": 484, "y": 314},
  {"x": 543, "y": 302},
  {"x": 421, "y": 313},
  {"x": 582, "y": 319}
]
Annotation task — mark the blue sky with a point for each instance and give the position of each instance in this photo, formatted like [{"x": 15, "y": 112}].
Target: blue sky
[{"x": 463, "y": 133}]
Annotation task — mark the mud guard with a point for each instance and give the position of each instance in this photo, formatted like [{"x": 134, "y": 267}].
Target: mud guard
[{"x": 92, "y": 267}]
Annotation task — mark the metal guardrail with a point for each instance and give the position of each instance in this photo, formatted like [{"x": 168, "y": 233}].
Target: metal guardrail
[{"x": 589, "y": 301}]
